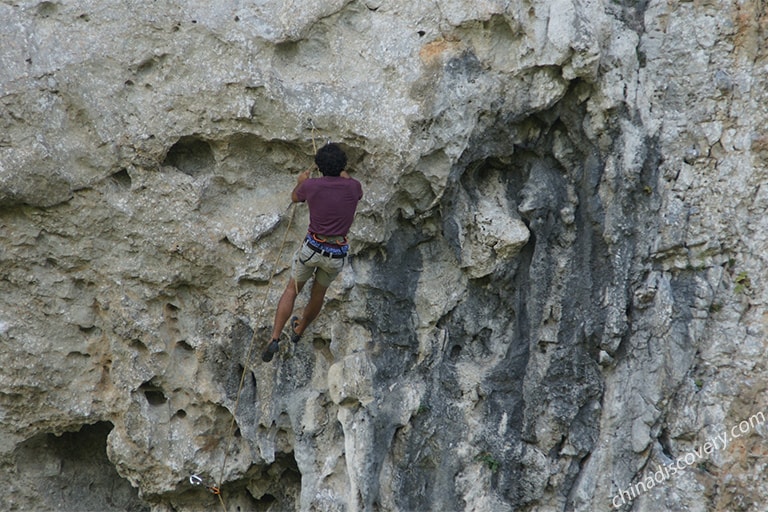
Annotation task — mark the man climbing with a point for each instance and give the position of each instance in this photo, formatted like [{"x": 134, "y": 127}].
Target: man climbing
[{"x": 332, "y": 201}]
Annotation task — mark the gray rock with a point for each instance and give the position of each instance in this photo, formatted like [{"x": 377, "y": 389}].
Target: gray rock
[{"x": 556, "y": 280}]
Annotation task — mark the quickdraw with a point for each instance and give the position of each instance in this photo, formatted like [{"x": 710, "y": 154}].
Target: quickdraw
[{"x": 196, "y": 480}]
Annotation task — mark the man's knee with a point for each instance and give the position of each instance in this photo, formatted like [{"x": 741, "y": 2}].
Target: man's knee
[
  {"x": 318, "y": 288},
  {"x": 294, "y": 287}
]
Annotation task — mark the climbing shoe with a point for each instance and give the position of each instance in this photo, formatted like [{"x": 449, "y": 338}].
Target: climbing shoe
[
  {"x": 295, "y": 337},
  {"x": 270, "y": 351}
]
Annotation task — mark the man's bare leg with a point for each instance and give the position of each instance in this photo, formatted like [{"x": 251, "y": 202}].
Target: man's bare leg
[
  {"x": 285, "y": 307},
  {"x": 313, "y": 307}
]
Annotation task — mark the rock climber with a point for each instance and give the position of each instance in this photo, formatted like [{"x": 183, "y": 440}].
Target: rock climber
[{"x": 332, "y": 201}]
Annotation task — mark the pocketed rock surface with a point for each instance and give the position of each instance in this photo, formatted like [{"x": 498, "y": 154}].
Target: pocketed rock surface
[{"x": 556, "y": 288}]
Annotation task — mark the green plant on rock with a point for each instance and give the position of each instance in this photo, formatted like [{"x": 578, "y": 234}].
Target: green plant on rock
[
  {"x": 742, "y": 282},
  {"x": 489, "y": 461},
  {"x": 423, "y": 409}
]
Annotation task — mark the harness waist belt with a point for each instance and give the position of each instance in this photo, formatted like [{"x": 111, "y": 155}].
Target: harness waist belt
[
  {"x": 323, "y": 252},
  {"x": 337, "y": 240}
]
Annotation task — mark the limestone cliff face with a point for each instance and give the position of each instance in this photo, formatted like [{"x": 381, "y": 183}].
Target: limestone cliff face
[{"x": 557, "y": 280}]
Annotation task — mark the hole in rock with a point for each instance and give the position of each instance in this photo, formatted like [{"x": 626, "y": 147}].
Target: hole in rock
[
  {"x": 71, "y": 471},
  {"x": 171, "y": 310},
  {"x": 77, "y": 355},
  {"x": 122, "y": 179},
  {"x": 138, "y": 346},
  {"x": 153, "y": 393},
  {"x": 280, "y": 481},
  {"x": 182, "y": 344},
  {"x": 190, "y": 155},
  {"x": 146, "y": 66},
  {"x": 46, "y": 9},
  {"x": 266, "y": 499}
]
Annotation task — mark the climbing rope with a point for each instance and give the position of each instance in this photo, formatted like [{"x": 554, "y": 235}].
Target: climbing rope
[
  {"x": 195, "y": 479},
  {"x": 248, "y": 356}
]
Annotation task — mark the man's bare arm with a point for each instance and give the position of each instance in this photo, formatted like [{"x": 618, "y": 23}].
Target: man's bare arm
[{"x": 304, "y": 176}]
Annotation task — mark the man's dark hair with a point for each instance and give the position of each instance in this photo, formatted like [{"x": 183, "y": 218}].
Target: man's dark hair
[{"x": 330, "y": 159}]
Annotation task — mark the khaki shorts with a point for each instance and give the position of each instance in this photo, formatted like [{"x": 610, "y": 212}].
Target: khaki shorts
[{"x": 307, "y": 262}]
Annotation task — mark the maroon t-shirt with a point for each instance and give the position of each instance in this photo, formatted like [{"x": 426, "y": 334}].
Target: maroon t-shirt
[{"x": 332, "y": 202}]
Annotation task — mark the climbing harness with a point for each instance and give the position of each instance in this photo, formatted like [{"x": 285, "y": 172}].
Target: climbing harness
[
  {"x": 195, "y": 479},
  {"x": 326, "y": 249},
  {"x": 332, "y": 240}
]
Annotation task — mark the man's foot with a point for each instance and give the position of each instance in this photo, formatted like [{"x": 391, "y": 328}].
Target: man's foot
[
  {"x": 270, "y": 351},
  {"x": 295, "y": 337}
]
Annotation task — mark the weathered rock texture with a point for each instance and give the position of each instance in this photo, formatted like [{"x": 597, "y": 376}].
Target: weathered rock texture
[{"x": 557, "y": 280}]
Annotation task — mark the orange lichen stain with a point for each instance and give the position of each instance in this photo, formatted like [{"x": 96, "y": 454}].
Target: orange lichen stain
[
  {"x": 208, "y": 443},
  {"x": 741, "y": 459},
  {"x": 760, "y": 145},
  {"x": 747, "y": 25},
  {"x": 433, "y": 52}
]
